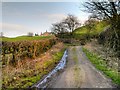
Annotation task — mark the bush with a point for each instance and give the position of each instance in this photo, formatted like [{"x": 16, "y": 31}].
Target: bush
[
  {"x": 109, "y": 39},
  {"x": 24, "y": 49}
]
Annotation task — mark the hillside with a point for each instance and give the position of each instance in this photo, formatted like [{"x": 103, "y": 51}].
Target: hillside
[{"x": 82, "y": 31}]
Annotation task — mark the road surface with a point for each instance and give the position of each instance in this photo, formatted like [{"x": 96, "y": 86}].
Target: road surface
[{"x": 80, "y": 73}]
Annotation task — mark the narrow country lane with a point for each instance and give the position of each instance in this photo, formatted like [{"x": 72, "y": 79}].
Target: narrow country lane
[{"x": 80, "y": 73}]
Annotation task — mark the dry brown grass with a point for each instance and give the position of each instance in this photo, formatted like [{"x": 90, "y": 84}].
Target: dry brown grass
[
  {"x": 103, "y": 52},
  {"x": 26, "y": 69}
]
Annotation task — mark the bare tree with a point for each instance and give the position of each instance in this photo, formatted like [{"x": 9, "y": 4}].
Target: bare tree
[
  {"x": 103, "y": 8},
  {"x": 90, "y": 25},
  {"x": 106, "y": 9},
  {"x": 67, "y": 25},
  {"x": 109, "y": 10},
  {"x": 65, "y": 28},
  {"x": 71, "y": 23},
  {"x": 58, "y": 28}
]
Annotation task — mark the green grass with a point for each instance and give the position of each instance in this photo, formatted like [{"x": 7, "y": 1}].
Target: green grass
[
  {"x": 101, "y": 65},
  {"x": 82, "y": 31},
  {"x": 48, "y": 66},
  {"x": 26, "y": 82},
  {"x": 22, "y": 38},
  {"x": 75, "y": 56}
]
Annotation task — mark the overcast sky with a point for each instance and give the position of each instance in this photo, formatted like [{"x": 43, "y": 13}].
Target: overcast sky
[{"x": 19, "y": 18}]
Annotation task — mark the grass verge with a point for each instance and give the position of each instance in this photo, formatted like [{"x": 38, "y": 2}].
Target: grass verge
[
  {"x": 101, "y": 65},
  {"x": 48, "y": 64},
  {"x": 28, "y": 72}
]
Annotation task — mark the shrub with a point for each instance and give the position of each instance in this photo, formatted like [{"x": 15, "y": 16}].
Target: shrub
[{"x": 24, "y": 49}]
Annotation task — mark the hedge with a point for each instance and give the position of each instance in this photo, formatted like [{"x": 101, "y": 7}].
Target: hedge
[{"x": 15, "y": 51}]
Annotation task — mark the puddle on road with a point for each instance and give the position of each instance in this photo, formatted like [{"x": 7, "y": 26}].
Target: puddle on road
[{"x": 59, "y": 67}]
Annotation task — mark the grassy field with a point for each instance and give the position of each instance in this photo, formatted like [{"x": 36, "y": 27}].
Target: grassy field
[
  {"x": 101, "y": 65},
  {"x": 21, "y": 38},
  {"x": 99, "y": 27}
]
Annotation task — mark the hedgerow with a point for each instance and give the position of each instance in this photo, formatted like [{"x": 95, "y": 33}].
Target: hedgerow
[{"x": 12, "y": 52}]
